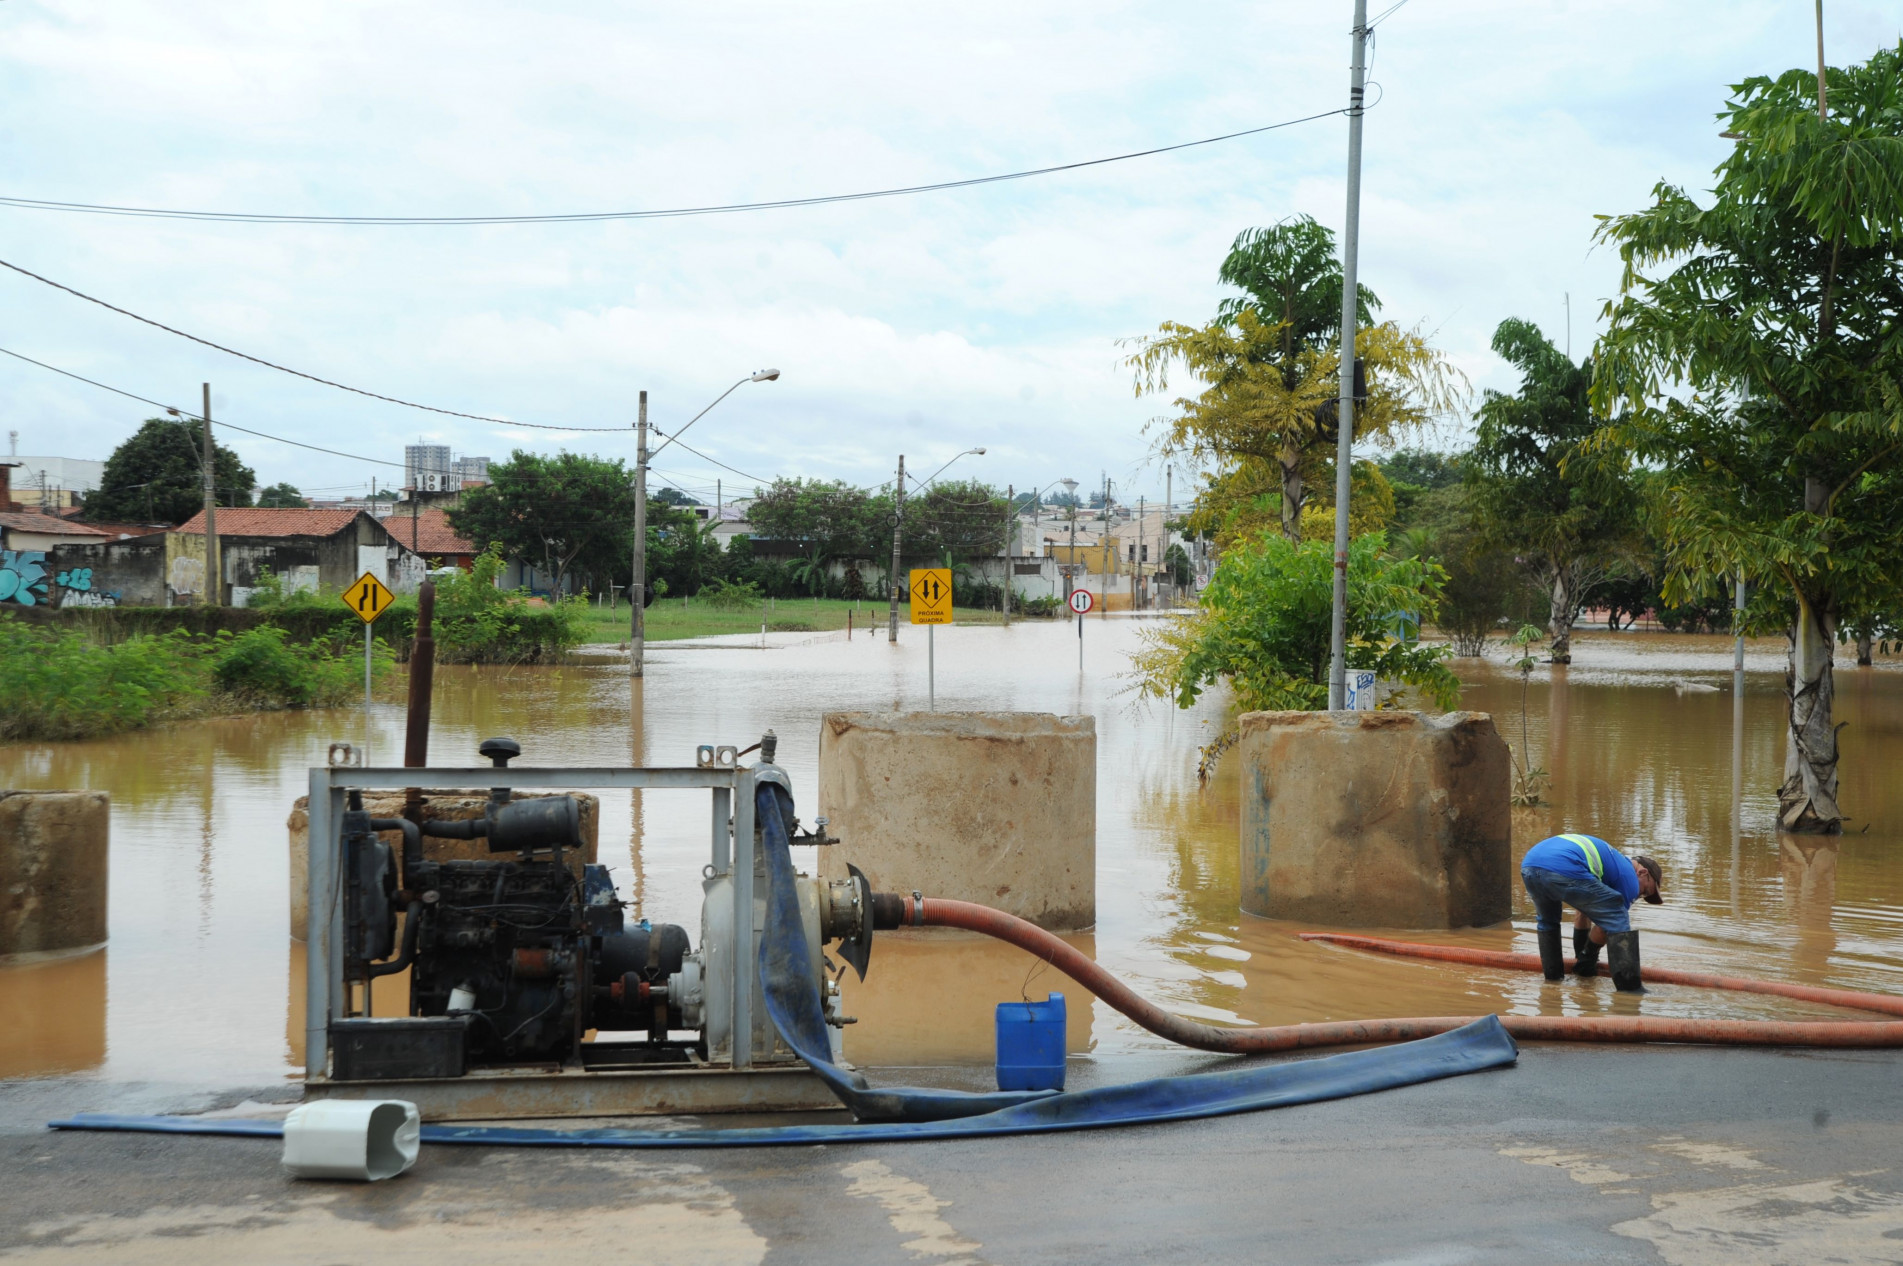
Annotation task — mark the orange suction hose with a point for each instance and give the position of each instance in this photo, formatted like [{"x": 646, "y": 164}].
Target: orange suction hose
[
  {"x": 938, "y": 912},
  {"x": 1850, "y": 998}
]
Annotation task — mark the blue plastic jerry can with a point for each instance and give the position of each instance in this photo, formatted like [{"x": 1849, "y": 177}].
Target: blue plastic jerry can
[{"x": 1031, "y": 1045}]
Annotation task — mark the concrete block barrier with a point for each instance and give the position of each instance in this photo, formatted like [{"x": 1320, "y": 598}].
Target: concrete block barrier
[
  {"x": 1376, "y": 819},
  {"x": 53, "y": 871},
  {"x": 998, "y": 808}
]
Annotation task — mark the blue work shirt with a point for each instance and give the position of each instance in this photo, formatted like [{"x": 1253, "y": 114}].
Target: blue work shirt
[{"x": 1564, "y": 857}]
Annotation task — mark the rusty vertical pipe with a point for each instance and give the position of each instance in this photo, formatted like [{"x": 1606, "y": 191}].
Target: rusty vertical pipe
[{"x": 422, "y": 675}]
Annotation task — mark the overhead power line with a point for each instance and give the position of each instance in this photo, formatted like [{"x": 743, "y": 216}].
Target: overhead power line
[
  {"x": 160, "y": 404},
  {"x": 264, "y": 435},
  {"x": 584, "y": 217},
  {"x": 295, "y": 373}
]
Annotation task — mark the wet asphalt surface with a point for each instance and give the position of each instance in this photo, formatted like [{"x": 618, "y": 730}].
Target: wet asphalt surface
[{"x": 1600, "y": 1154}]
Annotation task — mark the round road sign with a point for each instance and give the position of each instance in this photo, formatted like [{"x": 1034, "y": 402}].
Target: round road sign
[{"x": 1081, "y": 601}]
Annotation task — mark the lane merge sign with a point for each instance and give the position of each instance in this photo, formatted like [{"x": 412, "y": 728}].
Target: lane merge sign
[
  {"x": 368, "y": 598},
  {"x": 931, "y": 595},
  {"x": 1081, "y": 601}
]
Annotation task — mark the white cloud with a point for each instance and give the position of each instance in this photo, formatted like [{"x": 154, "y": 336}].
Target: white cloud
[{"x": 922, "y": 323}]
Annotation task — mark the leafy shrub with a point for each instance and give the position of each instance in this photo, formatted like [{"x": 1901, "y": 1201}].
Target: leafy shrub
[
  {"x": 1043, "y": 608},
  {"x": 477, "y": 623},
  {"x": 269, "y": 594},
  {"x": 262, "y": 668},
  {"x": 58, "y": 684},
  {"x": 1264, "y": 627},
  {"x": 721, "y": 595}
]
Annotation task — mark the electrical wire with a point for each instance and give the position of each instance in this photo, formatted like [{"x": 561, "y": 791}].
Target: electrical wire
[
  {"x": 296, "y": 373},
  {"x": 777, "y": 204},
  {"x": 723, "y": 465},
  {"x": 159, "y": 404}
]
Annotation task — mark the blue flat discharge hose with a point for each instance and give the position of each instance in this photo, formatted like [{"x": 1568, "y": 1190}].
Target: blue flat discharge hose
[{"x": 910, "y": 1113}]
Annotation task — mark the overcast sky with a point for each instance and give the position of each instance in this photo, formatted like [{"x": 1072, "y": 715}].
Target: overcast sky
[{"x": 924, "y": 325}]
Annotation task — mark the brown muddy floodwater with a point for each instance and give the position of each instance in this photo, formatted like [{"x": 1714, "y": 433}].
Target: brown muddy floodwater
[{"x": 202, "y": 984}]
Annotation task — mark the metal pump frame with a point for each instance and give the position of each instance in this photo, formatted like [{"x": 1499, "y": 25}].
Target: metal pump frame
[{"x": 732, "y": 852}]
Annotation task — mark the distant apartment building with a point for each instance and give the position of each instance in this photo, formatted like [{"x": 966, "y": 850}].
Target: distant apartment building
[
  {"x": 426, "y": 466},
  {"x": 431, "y": 468}
]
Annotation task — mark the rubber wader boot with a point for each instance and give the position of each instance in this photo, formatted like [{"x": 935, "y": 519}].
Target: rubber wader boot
[
  {"x": 1551, "y": 961},
  {"x": 1585, "y": 953},
  {"x": 1622, "y": 955}
]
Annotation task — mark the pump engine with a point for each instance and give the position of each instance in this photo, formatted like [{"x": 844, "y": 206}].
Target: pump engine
[{"x": 514, "y": 959}]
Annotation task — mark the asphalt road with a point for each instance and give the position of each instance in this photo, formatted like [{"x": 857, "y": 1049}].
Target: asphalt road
[{"x": 1601, "y": 1154}]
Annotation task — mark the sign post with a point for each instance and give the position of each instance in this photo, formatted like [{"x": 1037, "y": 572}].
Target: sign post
[
  {"x": 367, "y": 598},
  {"x": 1081, "y": 601},
  {"x": 931, "y": 606}
]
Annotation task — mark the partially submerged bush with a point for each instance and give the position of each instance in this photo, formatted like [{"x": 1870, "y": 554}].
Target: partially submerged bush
[
  {"x": 740, "y": 596},
  {"x": 262, "y": 668},
  {"x": 56, "y": 684},
  {"x": 1264, "y": 627},
  {"x": 477, "y": 623}
]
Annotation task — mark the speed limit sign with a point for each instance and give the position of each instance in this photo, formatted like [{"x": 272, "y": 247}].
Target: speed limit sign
[{"x": 1081, "y": 601}]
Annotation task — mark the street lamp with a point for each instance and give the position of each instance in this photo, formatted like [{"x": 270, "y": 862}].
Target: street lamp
[
  {"x": 638, "y": 584},
  {"x": 970, "y": 452},
  {"x": 898, "y": 524}
]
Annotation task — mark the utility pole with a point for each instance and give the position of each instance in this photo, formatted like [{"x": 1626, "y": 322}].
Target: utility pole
[
  {"x": 1070, "y": 564},
  {"x": 1169, "y": 492},
  {"x": 1010, "y": 546},
  {"x": 1350, "y": 307},
  {"x": 638, "y": 583},
  {"x": 214, "y": 574},
  {"x": 1822, "y": 91},
  {"x": 898, "y": 581}
]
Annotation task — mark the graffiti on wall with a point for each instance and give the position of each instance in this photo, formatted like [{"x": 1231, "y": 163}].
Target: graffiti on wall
[
  {"x": 23, "y": 576},
  {"x": 78, "y": 591},
  {"x": 187, "y": 574}
]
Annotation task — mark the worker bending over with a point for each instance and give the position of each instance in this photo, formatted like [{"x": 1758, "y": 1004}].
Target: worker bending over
[{"x": 1594, "y": 878}]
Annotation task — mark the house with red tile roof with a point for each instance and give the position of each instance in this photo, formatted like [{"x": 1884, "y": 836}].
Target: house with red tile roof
[
  {"x": 307, "y": 549},
  {"x": 427, "y": 534}
]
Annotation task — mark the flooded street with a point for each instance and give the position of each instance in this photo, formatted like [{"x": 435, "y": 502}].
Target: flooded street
[{"x": 202, "y": 984}]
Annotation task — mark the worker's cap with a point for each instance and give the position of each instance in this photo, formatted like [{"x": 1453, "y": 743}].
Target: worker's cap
[{"x": 1658, "y": 879}]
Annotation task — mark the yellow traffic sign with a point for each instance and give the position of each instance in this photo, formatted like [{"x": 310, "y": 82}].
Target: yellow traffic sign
[
  {"x": 931, "y": 595},
  {"x": 368, "y": 598}
]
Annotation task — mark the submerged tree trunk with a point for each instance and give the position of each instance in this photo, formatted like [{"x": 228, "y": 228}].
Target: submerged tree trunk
[
  {"x": 1864, "y": 640},
  {"x": 1807, "y": 801},
  {"x": 1290, "y": 464},
  {"x": 1559, "y": 625}
]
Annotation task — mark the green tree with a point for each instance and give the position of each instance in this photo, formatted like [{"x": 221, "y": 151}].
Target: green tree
[
  {"x": 835, "y": 518},
  {"x": 553, "y": 511},
  {"x": 1268, "y": 418},
  {"x": 157, "y": 476},
  {"x": 1569, "y": 514},
  {"x": 955, "y": 521},
  {"x": 683, "y": 552},
  {"x": 1264, "y": 627},
  {"x": 1755, "y": 343},
  {"x": 282, "y": 497}
]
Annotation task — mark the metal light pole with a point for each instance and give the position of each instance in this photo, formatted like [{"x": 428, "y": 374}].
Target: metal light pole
[
  {"x": 898, "y": 524},
  {"x": 638, "y": 576},
  {"x": 1350, "y": 292},
  {"x": 214, "y": 568},
  {"x": 897, "y": 585},
  {"x": 1010, "y": 547},
  {"x": 638, "y": 587}
]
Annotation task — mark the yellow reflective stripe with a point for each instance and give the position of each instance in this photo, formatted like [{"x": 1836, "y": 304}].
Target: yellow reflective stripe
[{"x": 1593, "y": 861}]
